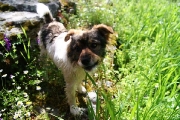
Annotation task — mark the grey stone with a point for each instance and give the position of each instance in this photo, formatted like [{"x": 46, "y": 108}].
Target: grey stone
[
  {"x": 30, "y": 5},
  {"x": 22, "y": 13},
  {"x": 11, "y": 23}
]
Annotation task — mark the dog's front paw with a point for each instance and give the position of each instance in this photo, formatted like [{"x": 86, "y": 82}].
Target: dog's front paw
[
  {"x": 81, "y": 89},
  {"x": 77, "y": 111}
]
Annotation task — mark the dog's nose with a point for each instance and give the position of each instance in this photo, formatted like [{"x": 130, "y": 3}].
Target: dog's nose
[{"x": 85, "y": 60}]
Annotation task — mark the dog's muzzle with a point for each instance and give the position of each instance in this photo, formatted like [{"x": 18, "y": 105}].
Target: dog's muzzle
[{"x": 87, "y": 63}]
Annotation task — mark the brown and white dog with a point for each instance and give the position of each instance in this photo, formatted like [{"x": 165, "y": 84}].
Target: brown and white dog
[{"x": 75, "y": 52}]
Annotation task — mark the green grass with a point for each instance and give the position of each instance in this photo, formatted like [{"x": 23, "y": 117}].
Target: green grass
[
  {"x": 146, "y": 70},
  {"x": 148, "y": 58}
]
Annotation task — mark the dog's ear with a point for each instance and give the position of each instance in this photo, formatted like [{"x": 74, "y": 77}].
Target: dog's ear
[
  {"x": 104, "y": 29},
  {"x": 69, "y": 34}
]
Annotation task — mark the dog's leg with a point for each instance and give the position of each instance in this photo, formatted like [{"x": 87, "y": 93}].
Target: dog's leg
[
  {"x": 80, "y": 88},
  {"x": 71, "y": 87},
  {"x": 70, "y": 93}
]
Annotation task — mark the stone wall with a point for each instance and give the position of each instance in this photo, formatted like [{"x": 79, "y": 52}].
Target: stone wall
[{"x": 15, "y": 14}]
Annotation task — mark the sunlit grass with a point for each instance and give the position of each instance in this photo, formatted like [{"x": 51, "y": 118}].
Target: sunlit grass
[{"x": 148, "y": 57}]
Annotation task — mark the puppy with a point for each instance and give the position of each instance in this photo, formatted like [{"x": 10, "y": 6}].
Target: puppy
[{"x": 75, "y": 52}]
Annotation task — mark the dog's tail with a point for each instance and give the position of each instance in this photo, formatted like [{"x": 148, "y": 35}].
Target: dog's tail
[{"x": 44, "y": 12}]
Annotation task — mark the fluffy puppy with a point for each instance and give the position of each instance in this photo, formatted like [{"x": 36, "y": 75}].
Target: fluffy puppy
[{"x": 73, "y": 51}]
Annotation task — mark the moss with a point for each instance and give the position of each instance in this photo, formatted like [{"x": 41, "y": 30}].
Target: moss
[
  {"x": 1, "y": 36},
  {"x": 43, "y": 1},
  {"x": 7, "y": 24},
  {"x": 6, "y": 7},
  {"x": 28, "y": 25},
  {"x": 10, "y": 27}
]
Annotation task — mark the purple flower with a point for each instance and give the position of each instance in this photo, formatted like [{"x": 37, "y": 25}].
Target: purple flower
[
  {"x": 38, "y": 41},
  {"x": 7, "y": 42}
]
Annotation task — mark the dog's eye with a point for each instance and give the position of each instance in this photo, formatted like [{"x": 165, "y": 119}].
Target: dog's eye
[{"x": 94, "y": 45}]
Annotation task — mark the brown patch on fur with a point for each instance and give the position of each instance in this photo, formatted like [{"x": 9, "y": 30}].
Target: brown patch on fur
[
  {"x": 104, "y": 30},
  {"x": 50, "y": 31},
  {"x": 72, "y": 32}
]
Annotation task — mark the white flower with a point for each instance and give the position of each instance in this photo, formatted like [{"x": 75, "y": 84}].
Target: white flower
[
  {"x": 4, "y": 75},
  {"x": 3, "y": 110},
  {"x": 1, "y": 70},
  {"x": 9, "y": 91},
  {"x": 25, "y": 94},
  {"x": 25, "y": 72},
  {"x": 17, "y": 114},
  {"x": 27, "y": 114},
  {"x": 12, "y": 76},
  {"x": 38, "y": 88},
  {"x": 18, "y": 87},
  {"x": 96, "y": 75},
  {"x": 19, "y": 103}
]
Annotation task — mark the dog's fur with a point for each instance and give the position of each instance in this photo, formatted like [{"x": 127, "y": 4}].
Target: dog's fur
[{"x": 73, "y": 51}]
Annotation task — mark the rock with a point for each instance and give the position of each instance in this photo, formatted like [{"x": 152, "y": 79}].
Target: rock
[
  {"x": 22, "y": 13},
  {"x": 11, "y": 23},
  {"x": 6, "y": 7},
  {"x": 28, "y": 5},
  {"x": 93, "y": 99}
]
